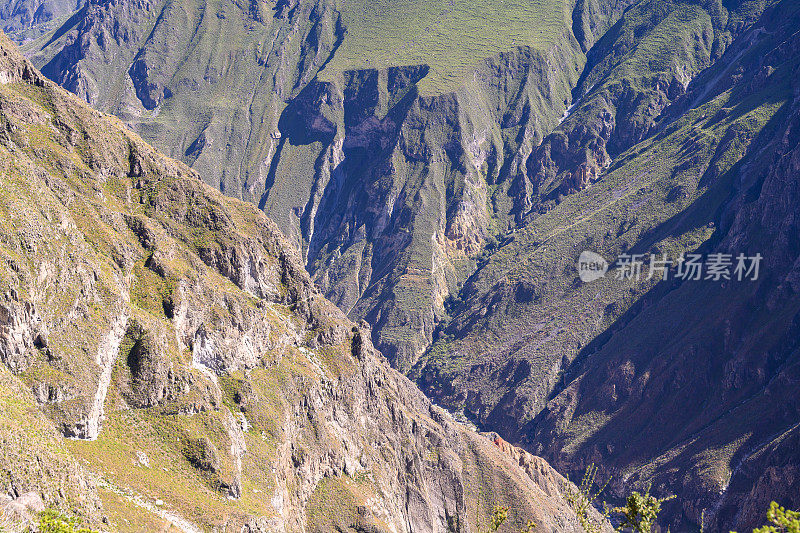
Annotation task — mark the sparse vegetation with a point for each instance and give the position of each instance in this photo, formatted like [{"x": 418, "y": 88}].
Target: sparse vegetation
[
  {"x": 640, "y": 512},
  {"x": 499, "y": 517},
  {"x": 655, "y": 196},
  {"x": 582, "y": 498},
  {"x": 382, "y": 33},
  {"x": 781, "y": 520},
  {"x": 52, "y": 521},
  {"x": 521, "y": 304},
  {"x": 638, "y": 515}
]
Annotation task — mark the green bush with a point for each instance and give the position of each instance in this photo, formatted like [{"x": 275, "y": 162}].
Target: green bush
[
  {"x": 640, "y": 512},
  {"x": 51, "y": 521},
  {"x": 638, "y": 516},
  {"x": 499, "y": 517}
]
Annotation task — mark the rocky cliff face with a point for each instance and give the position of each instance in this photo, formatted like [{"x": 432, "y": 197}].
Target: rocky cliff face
[
  {"x": 659, "y": 382},
  {"x": 520, "y": 294},
  {"x": 457, "y": 218},
  {"x": 199, "y": 377},
  {"x": 407, "y": 188},
  {"x": 737, "y": 404},
  {"x": 391, "y": 195},
  {"x": 25, "y": 20}
]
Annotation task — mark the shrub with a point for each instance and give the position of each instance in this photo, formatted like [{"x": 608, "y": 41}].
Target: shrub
[
  {"x": 51, "y": 521},
  {"x": 640, "y": 512},
  {"x": 499, "y": 517},
  {"x": 581, "y": 501}
]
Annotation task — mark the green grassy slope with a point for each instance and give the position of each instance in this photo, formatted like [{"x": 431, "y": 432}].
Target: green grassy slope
[
  {"x": 35, "y": 458},
  {"x": 451, "y": 36},
  {"x": 627, "y": 374}
]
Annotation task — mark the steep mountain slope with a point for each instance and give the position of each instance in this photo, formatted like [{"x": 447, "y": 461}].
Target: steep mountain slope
[
  {"x": 525, "y": 295},
  {"x": 452, "y": 208},
  {"x": 390, "y": 179},
  {"x": 689, "y": 386},
  {"x": 452, "y": 37},
  {"x": 395, "y": 180},
  {"x": 731, "y": 365},
  {"x": 24, "y": 20},
  {"x": 203, "y": 381}
]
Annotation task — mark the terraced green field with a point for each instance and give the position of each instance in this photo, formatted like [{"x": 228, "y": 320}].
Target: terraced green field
[{"x": 452, "y": 36}]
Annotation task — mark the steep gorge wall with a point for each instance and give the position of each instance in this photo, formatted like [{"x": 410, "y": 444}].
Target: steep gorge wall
[
  {"x": 636, "y": 71},
  {"x": 391, "y": 196},
  {"x": 173, "y": 334},
  {"x": 25, "y": 20},
  {"x": 646, "y": 378},
  {"x": 407, "y": 189}
]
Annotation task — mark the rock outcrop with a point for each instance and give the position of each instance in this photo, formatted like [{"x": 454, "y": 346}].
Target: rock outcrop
[
  {"x": 25, "y": 20},
  {"x": 682, "y": 384},
  {"x": 173, "y": 335},
  {"x": 452, "y": 222},
  {"x": 391, "y": 195}
]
